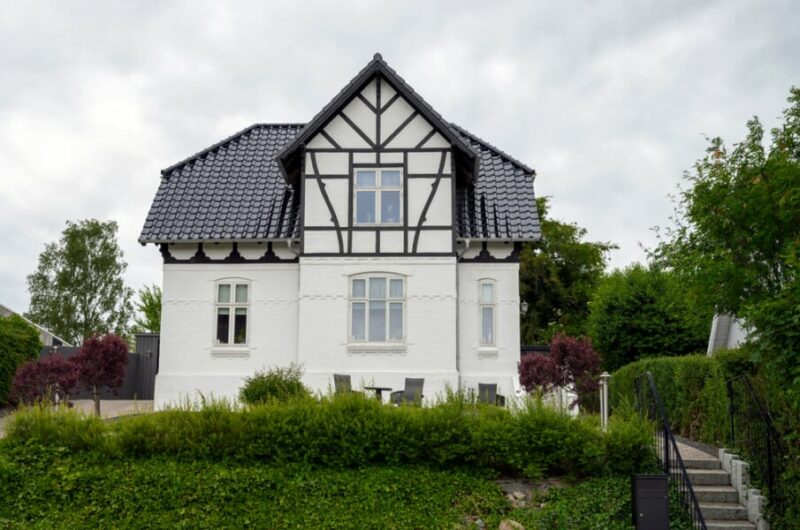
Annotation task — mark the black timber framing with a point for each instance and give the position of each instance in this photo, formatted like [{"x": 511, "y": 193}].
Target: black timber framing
[
  {"x": 484, "y": 256},
  {"x": 327, "y": 200},
  {"x": 233, "y": 256},
  {"x": 424, "y": 213}
]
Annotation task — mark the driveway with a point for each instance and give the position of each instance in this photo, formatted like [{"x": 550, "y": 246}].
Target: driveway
[{"x": 109, "y": 408}]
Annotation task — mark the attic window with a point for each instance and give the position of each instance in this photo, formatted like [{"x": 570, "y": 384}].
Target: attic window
[{"x": 378, "y": 196}]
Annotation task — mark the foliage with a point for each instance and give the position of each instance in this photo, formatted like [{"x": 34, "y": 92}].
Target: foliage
[
  {"x": 102, "y": 362},
  {"x": 557, "y": 278},
  {"x": 77, "y": 289},
  {"x": 278, "y": 384},
  {"x": 345, "y": 431},
  {"x": 19, "y": 342},
  {"x": 41, "y": 380},
  {"x": 50, "y": 488},
  {"x": 692, "y": 389},
  {"x": 643, "y": 312},
  {"x": 149, "y": 307},
  {"x": 572, "y": 364}
]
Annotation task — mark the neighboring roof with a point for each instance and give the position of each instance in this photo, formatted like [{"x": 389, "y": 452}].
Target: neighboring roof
[
  {"x": 34, "y": 324},
  {"x": 377, "y": 66},
  {"x": 231, "y": 191}
]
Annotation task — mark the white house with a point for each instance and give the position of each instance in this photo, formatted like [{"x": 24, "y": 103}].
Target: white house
[{"x": 376, "y": 240}]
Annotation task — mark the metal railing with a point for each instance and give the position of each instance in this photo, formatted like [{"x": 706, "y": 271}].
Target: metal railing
[
  {"x": 754, "y": 436},
  {"x": 666, "y": 448}
]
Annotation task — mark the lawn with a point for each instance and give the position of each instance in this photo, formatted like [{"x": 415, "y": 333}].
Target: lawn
[{"x": 52, "y": 488}]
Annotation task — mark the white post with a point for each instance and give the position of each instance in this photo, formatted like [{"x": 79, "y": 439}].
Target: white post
[{"x": 604, "y": 377}]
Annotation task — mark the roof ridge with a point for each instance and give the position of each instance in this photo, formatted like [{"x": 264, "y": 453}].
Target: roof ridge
[
  {"x": 492, "y": 148},
  {"x": 223, "y": 142}
]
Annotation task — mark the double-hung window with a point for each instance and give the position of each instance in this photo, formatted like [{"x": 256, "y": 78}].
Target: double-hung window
[
  {"x": 486, "y": 304},
  {"x": 378, "y": 197},
  {"x": 377, "y": 308},
  {"x": 232, "y": 300}
]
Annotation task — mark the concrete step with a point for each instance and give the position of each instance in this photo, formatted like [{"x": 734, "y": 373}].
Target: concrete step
[
  {"x": 709, "y": 477},
  {"x": 702, "y": 463},
  {"x": 727, "y": 511},
  {"x": 716, "y": 524},
  {"x": 716, "y": 493}
]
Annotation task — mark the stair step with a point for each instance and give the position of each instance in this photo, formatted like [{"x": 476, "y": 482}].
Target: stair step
[
  {"x": 702, "y": 463},
  {"x": 716, "y": 493},
  {"x": 723, "y": 510},
  {"x": 729, "y": 525},
  {"x": 709, "y": 477}
]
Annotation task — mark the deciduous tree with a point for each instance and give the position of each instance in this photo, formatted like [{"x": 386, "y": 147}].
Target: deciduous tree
[
  {"x": 149, "y": 307},
  {"x": 77, "y": 290},
  {"x": 102, "y": 362},
  {"x": 43, "y": 379}
]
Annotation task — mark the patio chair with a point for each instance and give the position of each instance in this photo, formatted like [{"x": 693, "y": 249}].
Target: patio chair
[
  {"x": 487, "y": 393},
  {"x": 411, "y": 394},
  {"x": 341, "y": 384}
]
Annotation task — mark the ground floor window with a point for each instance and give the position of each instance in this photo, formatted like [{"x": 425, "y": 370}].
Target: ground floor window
[
  {"x": 232, "y": 301},
  {"x": 377, "y": 308}
]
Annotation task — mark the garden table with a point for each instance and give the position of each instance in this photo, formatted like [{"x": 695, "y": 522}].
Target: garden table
[{"x": 378, "y": 391}]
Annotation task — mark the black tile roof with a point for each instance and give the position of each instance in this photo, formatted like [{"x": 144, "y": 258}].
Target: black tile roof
[{"x": 234, "y": 190}]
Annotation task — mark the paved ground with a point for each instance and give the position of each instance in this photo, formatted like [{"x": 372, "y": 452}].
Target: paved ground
[{"x": 109, "y": 408}]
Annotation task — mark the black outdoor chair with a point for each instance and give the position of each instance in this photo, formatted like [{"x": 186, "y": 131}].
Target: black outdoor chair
[
  {"x": 341, "y": 384},
  {"x": 487, "y": 393},
  {"x": 411, "y": 394}
]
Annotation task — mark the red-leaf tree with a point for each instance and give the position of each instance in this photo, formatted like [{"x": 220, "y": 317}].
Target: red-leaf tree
[
  {"x": 102, "y": 362},
  {"x": 573, "y": 364},
  {"x": 44, "y": 379}
]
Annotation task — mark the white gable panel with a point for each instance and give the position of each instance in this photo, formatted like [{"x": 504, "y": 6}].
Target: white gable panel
[
  {"x": 320, "y": 241},
  {"x": 365, "y": 158},
  {"x": 364, "y": 118},
  {"x": 217, "y": 250},
  {"x": 338, "y": 195},
  {"x": 418, "y": 191},
  {"x": 393, "y": 117},
  {"x": 182, "y": 250},
  {"x": 439, "y": 212},
  {"x": 344, "y": 135},
  {"x": 437, "y": 140},
  {"x": 411, "y": 134},
  {"x": 252, "y": 250},
  {"x": 330, "y": 164},
  {"x": 391, "y": 241},
  {"x": 363, "y": 242},
  {"x": 391, "y": 158},
  {"x": 434, "y": 241},
  {"x": 386, "y": 93},
  {"x": 315, "y": 210},
  {"x": 426, "y": 163},
  {"x": 369, "y": 92},
  {"x": 319, "y": 142}
]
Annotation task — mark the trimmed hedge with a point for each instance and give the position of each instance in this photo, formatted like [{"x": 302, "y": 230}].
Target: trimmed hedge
[
  {"x": 692, "y": 389},
  {"x": 19, "y": 342},
  {"x": 350, "y": 431}
]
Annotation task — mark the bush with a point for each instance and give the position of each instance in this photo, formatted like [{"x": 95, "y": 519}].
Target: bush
[
  {"x": 350, "y": 431},
  {"x": 40, "y": 380},
  {"x": 692, "y": 389},
  {"x": 644, "y": 312},
  {"x": 279, "y": 384},
  {"x": 102, "y": 361},
  {"x": 19, "y": 342}
]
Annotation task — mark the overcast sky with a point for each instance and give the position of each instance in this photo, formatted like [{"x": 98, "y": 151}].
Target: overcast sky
[{"x": 608, "y": 101}]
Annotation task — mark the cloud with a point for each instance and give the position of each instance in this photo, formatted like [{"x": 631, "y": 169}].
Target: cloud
[{"x": 606, "y": 100}]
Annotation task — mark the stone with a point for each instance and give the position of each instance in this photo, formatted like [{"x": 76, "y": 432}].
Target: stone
[
  {"x": 510, "y": 524},
  {"x": 518, "y": 495}
]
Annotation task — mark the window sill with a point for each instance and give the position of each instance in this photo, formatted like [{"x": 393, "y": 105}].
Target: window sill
[
  {"x": 487, "y": 351},
  {"x": 230, "y": 351},
  {"x": 376, "y": 348}
]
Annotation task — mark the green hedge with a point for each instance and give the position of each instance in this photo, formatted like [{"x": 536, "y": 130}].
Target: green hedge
[
  {"x": 692, "y": 389},
  {"x": 351, "y": 431},
  {"x": 19, "y": 342}
]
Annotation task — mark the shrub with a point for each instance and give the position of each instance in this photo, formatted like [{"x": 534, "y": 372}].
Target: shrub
[
  {"x": 43, "y": 379},
  {"x": 692, "y": 389},
  {"x": 538, "y": 373},
  {"x": 344, "y": 432},
  {"x": 19, "y": 342},
  {"x": 102, "y": 362},
  {"x": 279, "y": 384}
]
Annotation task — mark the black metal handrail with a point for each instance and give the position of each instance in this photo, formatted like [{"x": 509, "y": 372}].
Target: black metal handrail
[
  {"x": 649, "y": 402},
  {"x": 754, "y": 436}
]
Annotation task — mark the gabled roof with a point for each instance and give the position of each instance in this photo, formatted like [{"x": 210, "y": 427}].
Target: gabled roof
[{"x": 287, "y": 158}]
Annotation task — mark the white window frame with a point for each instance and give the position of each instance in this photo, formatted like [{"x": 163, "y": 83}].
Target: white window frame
[
  {"x": 232, "y": 306},
  {"x": 366, "y": 300},
  {"x": 493, "y": 305},
  {"x": 377, "y": 190}
]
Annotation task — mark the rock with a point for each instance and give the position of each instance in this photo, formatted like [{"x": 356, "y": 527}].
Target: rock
[
  {"x": 510, "y": 524},
  {"x": 480, "y": 524},
  {"x": 519, "y": 495}
]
